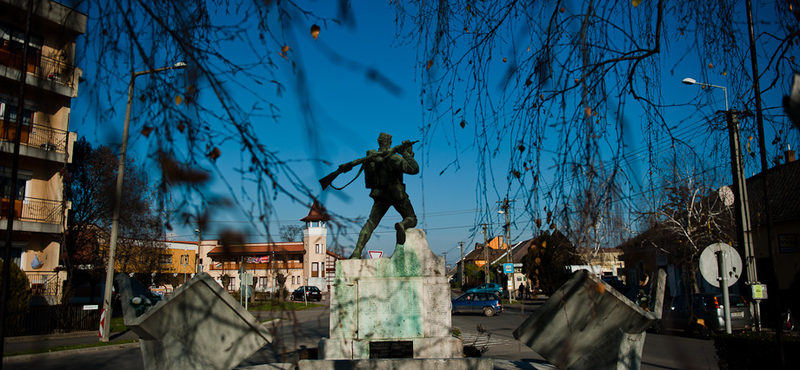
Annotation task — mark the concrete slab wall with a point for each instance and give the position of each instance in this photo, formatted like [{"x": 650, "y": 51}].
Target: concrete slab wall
[
  {"x": 199, "y": 326},
  {"x": 587, "y": 324}
]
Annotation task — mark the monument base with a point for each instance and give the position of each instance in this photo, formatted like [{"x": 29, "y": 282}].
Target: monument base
[
  {"x": 431, "y": 364},
  {"x": 346, "y": 349},
  {"x": 397, "y": 307}
]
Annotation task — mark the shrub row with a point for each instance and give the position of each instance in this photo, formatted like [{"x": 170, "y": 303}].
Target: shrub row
[{"x": 755, "y": 350}]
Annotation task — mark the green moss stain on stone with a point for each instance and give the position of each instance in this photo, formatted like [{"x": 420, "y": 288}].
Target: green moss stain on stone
[{"x": 405, "y": 263}]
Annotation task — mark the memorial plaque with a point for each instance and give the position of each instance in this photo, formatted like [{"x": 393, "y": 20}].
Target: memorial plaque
[
  {"x": 393, "y": 349},
  {"x": 390, "y": 308}
]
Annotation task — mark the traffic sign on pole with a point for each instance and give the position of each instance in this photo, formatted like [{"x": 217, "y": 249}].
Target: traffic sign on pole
[{"x": 102, "y": 321}]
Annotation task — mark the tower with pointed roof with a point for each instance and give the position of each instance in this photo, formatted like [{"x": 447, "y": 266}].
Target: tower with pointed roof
[{"x": 315, "y": 235}]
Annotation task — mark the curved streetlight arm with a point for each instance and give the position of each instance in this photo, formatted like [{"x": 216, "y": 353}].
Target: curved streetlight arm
[{"x": 691, "y": 81}]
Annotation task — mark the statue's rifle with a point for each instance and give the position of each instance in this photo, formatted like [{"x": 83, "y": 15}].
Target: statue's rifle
[{"x": 327, "y": 180}]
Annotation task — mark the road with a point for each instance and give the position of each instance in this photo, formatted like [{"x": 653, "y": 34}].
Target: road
[{"x": 302, "y": 330}]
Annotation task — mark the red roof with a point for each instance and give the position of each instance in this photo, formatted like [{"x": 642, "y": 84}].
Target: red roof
[
  {"x": 317, "y": 213},
  {"x": 263, "y": 249}
]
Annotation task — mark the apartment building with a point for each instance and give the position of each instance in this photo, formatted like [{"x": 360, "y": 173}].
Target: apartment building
[
  {"x": 180, "y": 259},
  {"x": 51, "y": 81}
]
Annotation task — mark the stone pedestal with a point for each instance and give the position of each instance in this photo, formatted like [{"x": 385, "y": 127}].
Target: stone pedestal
[
  {"x": 199, "y": 326},
  {"x": 587, "y": 324},
  {"x": 397, "y": 307}
]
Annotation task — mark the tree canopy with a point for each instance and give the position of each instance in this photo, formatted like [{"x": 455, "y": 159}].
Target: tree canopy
[
  {"x": 517, "y": 75},
  {"x": 90, "y": 186},
  {"x": 548, "y": 256}
]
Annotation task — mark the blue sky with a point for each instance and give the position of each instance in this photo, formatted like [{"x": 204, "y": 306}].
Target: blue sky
[{"x": 350, "y": 110}]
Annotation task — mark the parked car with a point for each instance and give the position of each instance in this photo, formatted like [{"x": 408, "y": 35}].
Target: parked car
[
  {"x": 704, "y": 313},
  {"x": 488, "y": 303},
  {"x": 487, "y": 288},
  {"x": 312, "y": 293},
  {"x": 616, "y": 283}
]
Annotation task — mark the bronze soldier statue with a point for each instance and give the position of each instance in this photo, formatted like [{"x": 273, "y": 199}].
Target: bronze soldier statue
[{"x": 383, "y": 174}]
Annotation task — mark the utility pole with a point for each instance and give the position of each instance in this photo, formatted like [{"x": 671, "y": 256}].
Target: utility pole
[
  {"x": 507, "y": 235},
  {"x": 461, "y": 248},
  {"x": 485, "y": 255},
  {"x": 772, "y": 247}
]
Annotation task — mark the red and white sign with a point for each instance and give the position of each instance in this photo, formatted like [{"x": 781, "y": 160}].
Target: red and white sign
[
  {"x": 102, "y": 322},
  {"x": 375, "y": 254}
]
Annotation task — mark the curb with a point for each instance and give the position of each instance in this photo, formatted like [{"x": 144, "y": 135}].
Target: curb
[
  {"x": 69, "y": 352},
  {"x": 37, "y": 338}
]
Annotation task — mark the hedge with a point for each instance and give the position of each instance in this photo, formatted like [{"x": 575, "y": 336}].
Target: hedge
[{"x": 755, "y": 350}]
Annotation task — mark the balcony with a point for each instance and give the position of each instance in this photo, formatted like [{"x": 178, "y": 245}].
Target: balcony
[
  {"x": 51, "y": 73},
  {"x": 278, "y": 265},
  {"x": 36, "y": 136},
  {"x": 36, "y": 215}
]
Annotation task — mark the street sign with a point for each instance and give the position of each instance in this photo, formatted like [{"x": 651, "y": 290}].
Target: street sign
[
  {"x": 508, "y": 268},
  {"x": 246, "y": 278},
  {"x": 518, "y": 264},
  {"x": 375, "y": 254},
  {"x": 759, "y": 291},
  {"x": 709, "y": 266},
  {"x": 247, "y": 291},
  {"x": 102, "y": 322}
]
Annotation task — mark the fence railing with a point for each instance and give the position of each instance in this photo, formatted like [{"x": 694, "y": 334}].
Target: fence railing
[
  {"x": 258, "y": 266},
  {"x": 48, "y": 138},
  {"x": 47, "y": 67},
  {"x": 38, "y": 136},
  {"x": 47, "y": 284},
  {"x": 40, "y": 320},
  {"x": 36, "y": 210}
]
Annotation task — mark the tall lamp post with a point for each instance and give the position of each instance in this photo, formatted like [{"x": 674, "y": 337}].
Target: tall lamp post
[
  {"x": 112, "y": 245},
  {"x": 740, "y": 187}
]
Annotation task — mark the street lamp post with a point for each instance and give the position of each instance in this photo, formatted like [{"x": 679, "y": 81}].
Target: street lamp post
[
  {"x": 740, "y": 187},
  {"x": 112, "y": 245},
  {"x": 691, "y": 81}
]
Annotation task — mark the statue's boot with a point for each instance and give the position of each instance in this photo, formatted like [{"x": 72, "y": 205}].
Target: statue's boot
[
  {"x": 401, "y": 233},
  {"x": 401, "y": 227}
]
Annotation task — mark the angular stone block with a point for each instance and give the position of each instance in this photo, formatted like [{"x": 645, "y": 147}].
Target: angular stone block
[
  {"x": 402, "y": 298},
  {"x": 587, "y": 324},
  {"x": 199, "y": 326}
]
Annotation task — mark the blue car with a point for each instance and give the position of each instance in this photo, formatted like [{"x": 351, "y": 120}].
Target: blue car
[
  {"x": 488, "y": 303},
  {"x": 488, "y": 288}
]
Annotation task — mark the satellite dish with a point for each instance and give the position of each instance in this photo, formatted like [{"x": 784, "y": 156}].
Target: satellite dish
[
  {"x": 726, "y": 195},
  {"x": 709, "y": 266}
]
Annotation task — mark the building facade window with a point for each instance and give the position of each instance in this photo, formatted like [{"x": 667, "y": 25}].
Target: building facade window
[
  {"x": 11, "y": 44},
  {"x": 16, "y": 253},
  {"x": 315, "y": 269},
  {"x": 8, "y": 122},
  {"x": 166, "y": 259},
  {"x": 319, "y": 248}
]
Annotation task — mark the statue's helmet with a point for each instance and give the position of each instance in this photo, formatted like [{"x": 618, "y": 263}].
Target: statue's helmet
[{"x": 384, "y": 138}]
